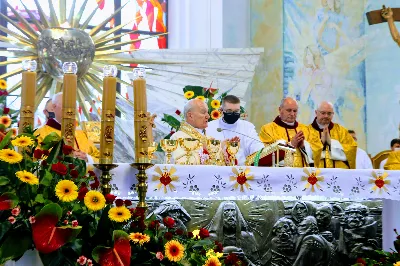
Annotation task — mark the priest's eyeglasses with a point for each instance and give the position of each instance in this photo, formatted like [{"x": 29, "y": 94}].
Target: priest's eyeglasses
[{"x": 326, "y": 113}]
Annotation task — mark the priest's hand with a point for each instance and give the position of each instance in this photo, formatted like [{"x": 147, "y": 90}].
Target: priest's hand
[
  {"x": 325, "y": 136},
  {"x": 298, "y": 140},
  {"x": 234, "y": 139},
  {"x": 80, "y": 155}
]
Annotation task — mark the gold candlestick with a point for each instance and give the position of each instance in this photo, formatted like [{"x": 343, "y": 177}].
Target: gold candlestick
[
  {"x": 69, "y": 103},
  {"x": 108, "y": 115},
  {"x": 28, "y": 93},
  {"x": 141, "y": 119}
]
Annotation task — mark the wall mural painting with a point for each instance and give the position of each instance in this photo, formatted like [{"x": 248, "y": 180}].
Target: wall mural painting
[
  {"x": 324, "y": 55},
  {"x": 282, "y": 233}
]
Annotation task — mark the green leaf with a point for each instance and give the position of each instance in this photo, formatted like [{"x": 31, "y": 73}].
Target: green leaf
[
  {"x": 171, "y": 121},
  {"x": 4, "y": 180},
  {"x": 39, "y": 198},
  {"x": 50, "y": 209},
  {"x": 56, "y": 150},
  {"x": 51, "y": 140},
  {"x": 47, "y": 178},
  {"x": 58, "y": 257},
  {"x": 203, "y": 242},
  {"x": 198, "y": 90},
  {"x": 4, "y": 227},
  {"x": 6, "y": 140},
  {"x": 15, "y": 245}
]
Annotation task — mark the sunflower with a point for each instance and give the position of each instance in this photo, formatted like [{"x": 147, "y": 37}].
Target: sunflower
[
  {"x": 27, "y": 177},
  {"x": 139, "y": 238},
  {"x": 5, "y": 120},
  {"x": 174, "y": 250},
  {"x": 215, "y": 114},
  {"x": 66, "y": 190},
  {"x": 212, "y": 261},
  {"x": 119, "y": 214},
  {"x": 3, "y": 84},
  {"x": 22, "y": 141},
  {"x": 200, "y": 97},
  {"x": 215, "y": 104},
  {"x": 94, "y": 200},
  {"x": 189, "y": 94},
  {"x": 10, "y": 156}
]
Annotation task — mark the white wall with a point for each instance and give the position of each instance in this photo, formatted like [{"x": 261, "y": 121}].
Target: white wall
[{"x": 202, "y": 24}]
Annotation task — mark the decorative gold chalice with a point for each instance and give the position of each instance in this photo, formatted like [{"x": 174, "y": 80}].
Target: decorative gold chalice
[
  {"x": 168, "y": 146},
  {"x": 189, "y": 145},
  {"x": 233, "y": 149},
  {"x": 213, "y": 146},
  {"x": 151, "y": 149}
]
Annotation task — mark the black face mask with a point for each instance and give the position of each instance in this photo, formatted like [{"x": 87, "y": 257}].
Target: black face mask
[
  {"x": 51, "y": 115},
  {"x": 231, "y": 118}
]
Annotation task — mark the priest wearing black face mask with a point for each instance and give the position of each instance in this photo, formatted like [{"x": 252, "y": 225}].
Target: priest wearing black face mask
[
  {"x": 48, "y": 110},
  {"x": 229, "y": 122}
]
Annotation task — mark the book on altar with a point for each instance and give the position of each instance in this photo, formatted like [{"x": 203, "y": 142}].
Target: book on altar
[{"x": 275, "y": 154}]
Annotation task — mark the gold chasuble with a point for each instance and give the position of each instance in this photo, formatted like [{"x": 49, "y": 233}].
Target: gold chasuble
[
  {"x": 82, "y": 143},
  {"x": 342, "y": 151},
  {"x": 393, "y": 161},
  {"x": 279, "y": 130},
  {"x": 200, "y": 155}
]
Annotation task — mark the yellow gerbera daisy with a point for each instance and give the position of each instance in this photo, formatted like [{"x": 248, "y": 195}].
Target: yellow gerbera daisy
[
  {"x": 22, "y": 141},
  {"x": 215, "y": 114},
  {"x": 10, "y": 156},
  {"x": 396, "y": 264},
  {"x": 200, "y": 97},
  {"x": 212, "y": 261},
  {"x": 119, "y": 214},
  {"x": 174, "y": 250},
  {"x": 5, "y": 120},
  {"x": 3, "y": 84},
  {"x": 139, "y": 238},
  {"x": 215, "y": 104},
  {"x": 94, "y": 200},
  {"x": 189, "y": 94},
  {"x": 27, "y": 177},
  {"x": 66, "y": 190},
  {"x": 196, "y": 233}
]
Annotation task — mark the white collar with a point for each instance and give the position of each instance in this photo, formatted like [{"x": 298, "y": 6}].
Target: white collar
[
  {"x": 226, "y": 125},
  {"x": 287, "y": 123}
]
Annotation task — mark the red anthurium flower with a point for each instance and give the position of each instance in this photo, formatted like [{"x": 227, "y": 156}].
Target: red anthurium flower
[
  {"x": 46, "y": 236},
  {"x": 8, "y": 201},
  {"x": 119, "y": 255}
]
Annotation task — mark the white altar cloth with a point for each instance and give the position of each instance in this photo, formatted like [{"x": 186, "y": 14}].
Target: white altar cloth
[{"x": 223, "y": 182}]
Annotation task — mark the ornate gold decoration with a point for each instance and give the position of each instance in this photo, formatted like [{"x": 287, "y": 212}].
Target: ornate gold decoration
[
  {"x": 92, "y": 130},
  {"x": 143, "y": 133},
  {"x": 110, "y": 115},
  {"x": 188, "y": 129},
  {"x": 142, "y": 182},
  {"x": 108, "y": 135},
  {"x": 271, "y": 148},
  {"x": 105, "y": 176},
  {"x": 69, "y": 134}
]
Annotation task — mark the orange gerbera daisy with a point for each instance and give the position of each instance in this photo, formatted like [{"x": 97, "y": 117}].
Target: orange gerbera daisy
[
  {"x": 215, "y": 114},
  {"x": 174, "y": 250},
  {"x": 5, "y": 120},
  {"x": 213, "y": 261},
  {"x": 3, "y": 84}
]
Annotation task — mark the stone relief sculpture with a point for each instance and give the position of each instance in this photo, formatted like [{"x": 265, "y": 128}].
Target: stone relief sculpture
[{"x": 283, "y": 233}]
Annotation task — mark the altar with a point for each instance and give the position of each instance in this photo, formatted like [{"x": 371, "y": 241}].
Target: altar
[{"x": 273, "y": 190}]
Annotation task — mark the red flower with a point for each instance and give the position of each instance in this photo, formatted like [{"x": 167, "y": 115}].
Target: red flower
[
  {"x": 44, "y": 163},
  {"x": 38, "y": 154},
  {"x": 231, "y": 259},
  {"x": 110, "y": 198},
  {"x": 74, "y": 223},
  {"x": 169, "y": 222},
  {"x": 179, "y": 232},
  {"x": 82, "y": 260},
  {"x": 65, "y": 222},
  {"x": 127, "y": 203},
  {"x": 66, "y": 149},
  {"x": 168, "y": 236},
  {"x": 74, "y": 173},
  {"x": 59, "y": 168},
  {"x": 119, "y": 202},
  {"x": 11, "y": 219},
  {"x": 178, "y": 112},
  {"x": 204, "y": 233},
  {"x": 32, "y": 219},
  {"x": 154, "y": 225},
  {"x": 95, "y": 185},
  {"x": 82, "y": 192},
  {"x": 172, "y": 132},
  {"x": 159, "y": 255},
  {"x": 46, "y": 152},
  {"x": 71, "y": 166},
  {"x": 190, "y": 234},
  {"x": 91, "y": 173},
  {"x": 361, "y": 261},
  {"x": 69, "y": 213},
  {"x": 6, "y": 110},
  {"x": 16, "y": 211},
  {"x": 60, "y": 158},
  {"x": 3, "y": 93},
  {"x": 218, "y": 247},
  {"x": 89, "y": 263},
  {"x": 139, "y": 212}
]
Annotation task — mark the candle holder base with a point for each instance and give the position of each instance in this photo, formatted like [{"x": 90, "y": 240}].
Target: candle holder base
[
  {"x": 105, "y": 176},
  {"x": 142, "y": 182}
]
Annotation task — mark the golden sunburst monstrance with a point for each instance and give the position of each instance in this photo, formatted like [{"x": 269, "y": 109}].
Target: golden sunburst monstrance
[{"x": 92, "y": 50}]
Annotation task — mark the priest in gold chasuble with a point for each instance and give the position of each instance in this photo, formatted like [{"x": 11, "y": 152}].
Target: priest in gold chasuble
[
  {"x": 286, "y": 129},
  {"x": 339, "y": 147},
  {"x": 83, "y": 149},
  {"x": 195, "y": 124},
  {"x": 393, "y": 161}
]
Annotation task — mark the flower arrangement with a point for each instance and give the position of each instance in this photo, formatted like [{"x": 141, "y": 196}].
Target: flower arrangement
[
  {"x": 382, "y": 258},
  {"x": 206, "y": 94},
  {"x": 8, "y": 117}
]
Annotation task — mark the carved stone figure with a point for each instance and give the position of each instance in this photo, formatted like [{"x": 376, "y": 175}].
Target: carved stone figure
[
  {"x": 230, "y": 228},
  {"x": 299, "y": 211},
  {"x": 174, "y": 209},
  {"x": 283, "y": 243},
  {"x": 312, "y": 248},
  {"x": 328, "y": 226},
  {"x": 358, "y": 231}
]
